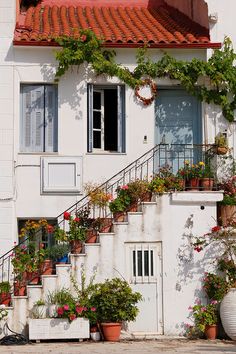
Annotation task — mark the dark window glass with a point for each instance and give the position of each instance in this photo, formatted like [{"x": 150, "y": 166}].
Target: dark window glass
[
  {"x": 97, "y": 120},
  {"x": 134, "y": 263},
  {"x": 146, "y": 263},
  {"x": 140, "y": 263},
  {"x": 96, "y": 100},
  {"x": 97, "y": 140}
]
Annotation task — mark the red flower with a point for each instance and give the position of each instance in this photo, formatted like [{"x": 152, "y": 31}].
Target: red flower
[
  {"x": 66, "y": 307},
  {"x": 79, "y": 309},
  {"x": 215, "y": 229},
  {"x": 50, "y": 229},
  {"x": 60, "y": 311},
  {"x": 77, "y": 219},
  {"x": 83, "y": 38},
  {"x": 93, "y": 309},
  {"x": 198, "y": 249},
  {"x": 72, "y": 317},
  {"x": 66, "y": 215}
]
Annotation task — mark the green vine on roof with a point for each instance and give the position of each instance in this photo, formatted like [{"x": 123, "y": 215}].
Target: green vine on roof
[{"x": 220, "y": 88}]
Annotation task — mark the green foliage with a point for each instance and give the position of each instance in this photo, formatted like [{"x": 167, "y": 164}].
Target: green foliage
[
  {"x": 221, "y": 140},
  {"x": 204, "y": 315},
  {"x": 137, "y": 190},
  {"x": 5, "y": 287},
  {"x": 122, "y": 201},
  {"x": 220, "y": 69},
  {"x": 215, "y": 286},
  {"x": 115, "y": 301},
  {"x": 60, "y": 297},
  {"x": 58, "y": 251}
]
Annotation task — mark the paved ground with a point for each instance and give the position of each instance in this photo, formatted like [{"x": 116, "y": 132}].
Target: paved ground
[{"x": 126, "y": 347}]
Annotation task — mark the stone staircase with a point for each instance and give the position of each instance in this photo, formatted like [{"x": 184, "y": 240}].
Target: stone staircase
[{"x": 106, "y": 258}]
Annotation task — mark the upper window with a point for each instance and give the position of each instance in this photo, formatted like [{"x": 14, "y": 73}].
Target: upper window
[
  {"x": 38, "y": 118},
  {"x": 106, "y": 118}
]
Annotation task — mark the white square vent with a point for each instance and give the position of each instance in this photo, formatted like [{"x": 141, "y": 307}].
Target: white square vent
[{"x": 61, "y": 174}]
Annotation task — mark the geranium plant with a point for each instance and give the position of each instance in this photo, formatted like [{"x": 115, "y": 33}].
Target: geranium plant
[
  {"x": 204, "y": 315},
  {"x": 122, "y": 200}
]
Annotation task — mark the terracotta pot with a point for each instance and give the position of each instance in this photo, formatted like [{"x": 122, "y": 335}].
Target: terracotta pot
[
  {"x": 147, "y": 197},
  {"x": 221, "y": 150},
  {"x": 119, "y": 216},
  {"x": 111, "y": 331},
  {"x": 206, "y": 184},
  {"x": 5, "y": 299},
  {"x": 194, "y": 184},
  {"x": 106, "y": 225},
  {"x": 227, "y": 213},
  {"x": 133, "y": 207},
  {"x": 19, "y": 289},
  {"x": 91, "y": 236},
  {"x": 33, "y": 278},
  {"x": 211, "y": 332},
  {"x": 47, "y": 267},
  {"x": 76, "y": 246}
]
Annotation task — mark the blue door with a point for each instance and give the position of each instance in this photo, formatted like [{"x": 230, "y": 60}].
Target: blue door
[{"x": 178, "y": 124}]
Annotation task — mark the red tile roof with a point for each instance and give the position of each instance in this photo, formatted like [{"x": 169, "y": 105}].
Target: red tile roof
[{"x": 118, "y": 26}]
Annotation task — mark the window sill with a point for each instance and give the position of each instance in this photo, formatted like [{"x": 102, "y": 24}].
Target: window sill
[
  {"x": 38, "y": 153},
  {"x": 106, "y": 153}
]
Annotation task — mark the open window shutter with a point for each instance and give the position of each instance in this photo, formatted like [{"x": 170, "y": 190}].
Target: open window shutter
[
  {"x": 32, "y": 118},
  {"x": 90, "y": 117},
  {"x": 120, "y": 119},
  {"x": 50, "y": 118}
]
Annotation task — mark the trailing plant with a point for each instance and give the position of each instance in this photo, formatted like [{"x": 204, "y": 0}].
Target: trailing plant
[
  {"x": 215, "y": 286},
  {"x": 213, "y": 81}
]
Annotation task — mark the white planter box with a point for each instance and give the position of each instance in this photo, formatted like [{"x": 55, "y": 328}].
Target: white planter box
[{"x": 58, "y": 328}]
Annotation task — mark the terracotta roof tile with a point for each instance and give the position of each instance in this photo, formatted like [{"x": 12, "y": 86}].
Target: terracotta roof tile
[{"x": 120, "y": 25}]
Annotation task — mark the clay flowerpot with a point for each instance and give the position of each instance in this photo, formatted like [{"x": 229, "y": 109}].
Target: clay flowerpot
[
  {"x": 133, "y": 207},
  {"x": 111, "y": 331},
  {"x": 147, "y": 197},
  {"x": 91, "y": 236},
  {"x": 47, "y": 267},
  {"x": 76, "y": 246},
  {"x": 194, "y": 184},
  {"x": 221, "y": 150},
  {"x": 119, "y": 216},
  {"x": 206, "y": 184},
  {"x": 32, "y": 278},
  {"x": 227, "y": 213},
  {"x": 19, "y": 289},
  {"x": 5, "y": 299},
  {"x": 211, "y": 332}
]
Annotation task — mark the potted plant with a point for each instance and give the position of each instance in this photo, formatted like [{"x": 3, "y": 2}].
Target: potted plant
[
  {"x": 59, "y": 253},
  {"x": 227, "y": 207},
  {"x": 221, "y": 144},
  {"x": 206, "y": 177},
  {"x": 39, "y": 309},
  {"x": 5, "y": 293},
  {"x": 77, "y": 232},
  {"x": 121, "y": 203},
  {"x": 115, "y": 302},
  {"x": 58, "y": 298},
  {"x": 138, "y": 191},
  {"x": 205, "y": 318}
]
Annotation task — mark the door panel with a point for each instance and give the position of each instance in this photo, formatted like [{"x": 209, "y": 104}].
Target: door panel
[{"x": 177, "y": 118}]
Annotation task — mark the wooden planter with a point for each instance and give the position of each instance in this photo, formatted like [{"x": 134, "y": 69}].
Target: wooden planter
[{"x": 58, "y": 328}]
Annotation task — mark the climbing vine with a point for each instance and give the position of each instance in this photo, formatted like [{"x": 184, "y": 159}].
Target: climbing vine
[{"x": 220, "y": 88}]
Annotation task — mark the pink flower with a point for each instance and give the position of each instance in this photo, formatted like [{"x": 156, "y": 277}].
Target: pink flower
[
  {"x": 72, "y": 317},
  {"x": 79, "y": 309},
  {"x": 66, "y": 215},
  {"x": 124, "y": 187},
  {"x": 203, "y": 309},
  {"x": 198, "y": 301},
  {"x": 93, "y": 309},
  {"x": 60, "y": 311},
  {"x": 66, "y": 307},
  {"x": 190, "y": 308},
  {"x": 214, "y": 302}
]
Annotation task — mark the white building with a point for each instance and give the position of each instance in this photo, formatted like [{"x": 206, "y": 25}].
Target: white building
[{"x": 50, "y": 146}]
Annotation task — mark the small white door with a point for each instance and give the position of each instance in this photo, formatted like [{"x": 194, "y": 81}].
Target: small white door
[{"x": 145, "y": 277}]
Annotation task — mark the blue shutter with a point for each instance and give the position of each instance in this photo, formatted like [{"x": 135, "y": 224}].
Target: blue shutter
[
  {"x": 32, "y": 119},
  {"x": 50, "y": 118}
]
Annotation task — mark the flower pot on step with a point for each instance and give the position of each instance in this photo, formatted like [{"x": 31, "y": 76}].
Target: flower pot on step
[
  {"x": 119, "y": 216},
  {"x": 76, "y": 246},
  {"x": 206, "y": 184},
  {"x": 194, "y": 184},
  {"x": 211, "y": 332},
  {"x": 111, "y": 331},
  {"x": 147, "y": 197},
  {"x": 91, "y": 236},
  {"x": 133, "y": 207},
  {"x": 19, "y": 289},
  {"x": 5, "y": 299},
  {"x": 32, "y": 278},
  {"x": 47, "y": 267}
]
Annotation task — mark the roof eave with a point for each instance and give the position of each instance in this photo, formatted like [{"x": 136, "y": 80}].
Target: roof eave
[{"x": 209, "y": 45}]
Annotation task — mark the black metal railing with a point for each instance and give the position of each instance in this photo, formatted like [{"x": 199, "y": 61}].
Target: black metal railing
[{"x": 145, "y": 167}]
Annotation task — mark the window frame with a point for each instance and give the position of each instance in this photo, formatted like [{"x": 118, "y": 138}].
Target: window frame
[
  {"x": 121, "y": 129},
  {"x": 48, "y": 110}
]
